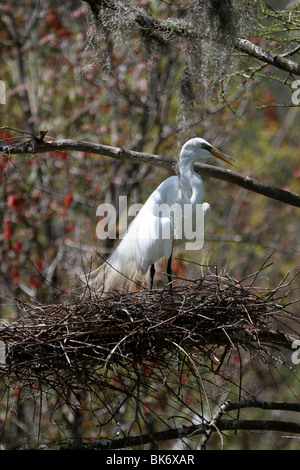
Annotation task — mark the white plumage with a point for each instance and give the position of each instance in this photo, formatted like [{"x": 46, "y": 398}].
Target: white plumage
[{"x": 156, "y": 229}]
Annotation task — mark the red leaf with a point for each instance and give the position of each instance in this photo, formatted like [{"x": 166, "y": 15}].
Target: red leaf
[
  {"x": 34, "y": 282},
  {"x": 61, "y": 154},
  {"x": 68, "y": 199},
  {"x": 17, "y": 246},
  {"x": 7, "y": 232},
  {"x": 3, "y": 164},
  {"x": 16, "y": 278},
  {"x": 16, "y": 202},
  {"x": 39, "y": 264}
]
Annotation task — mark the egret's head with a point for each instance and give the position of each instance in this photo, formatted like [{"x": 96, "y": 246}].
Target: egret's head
[{"x": 198, "y": 148}]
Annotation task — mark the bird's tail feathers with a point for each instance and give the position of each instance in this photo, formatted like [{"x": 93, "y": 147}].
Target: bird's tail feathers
[{"x": 118, "y": 273}]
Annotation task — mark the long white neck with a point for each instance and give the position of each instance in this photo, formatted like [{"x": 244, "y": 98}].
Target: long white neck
[{"x": 191, "y": 182}]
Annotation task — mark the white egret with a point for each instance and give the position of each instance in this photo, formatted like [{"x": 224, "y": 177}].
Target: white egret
[{"x": 157, "y": 228}]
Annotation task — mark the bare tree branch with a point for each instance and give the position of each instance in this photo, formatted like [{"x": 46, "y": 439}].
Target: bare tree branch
[
  {"x": 215, "y": 425},
  {"x": 277, "y": 60},
  {"x": 262, "y": 404},
  {"x": 229, "y": 406},
  {"x": 37, "y": 145},
  {"x": 189, "y": 431}
]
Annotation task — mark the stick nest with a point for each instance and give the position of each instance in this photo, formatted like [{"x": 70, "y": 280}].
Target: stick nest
[{"x": 65, "y": 342}]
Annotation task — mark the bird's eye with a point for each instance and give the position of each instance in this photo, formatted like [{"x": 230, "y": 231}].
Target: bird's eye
[{"x": 206, "y": 146}]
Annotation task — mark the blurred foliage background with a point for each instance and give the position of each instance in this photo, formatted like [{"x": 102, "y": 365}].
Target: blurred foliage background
[{"x": 102, "y": 80}]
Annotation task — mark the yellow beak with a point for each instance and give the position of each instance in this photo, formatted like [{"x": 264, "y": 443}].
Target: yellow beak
[{"x": 216, "y": 153}]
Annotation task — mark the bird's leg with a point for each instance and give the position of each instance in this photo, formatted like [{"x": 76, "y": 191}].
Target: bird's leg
[
  {"x": 152, "y": 272},
  {"x": 169, "y": 270}
]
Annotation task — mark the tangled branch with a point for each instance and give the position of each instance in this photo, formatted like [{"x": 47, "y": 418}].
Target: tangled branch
[{"x": 163, "y": 31}]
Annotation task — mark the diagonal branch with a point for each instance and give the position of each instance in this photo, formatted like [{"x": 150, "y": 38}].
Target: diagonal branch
[
  {"x": 37, "y": 145},
  {"x": 277, "y": 60}
]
